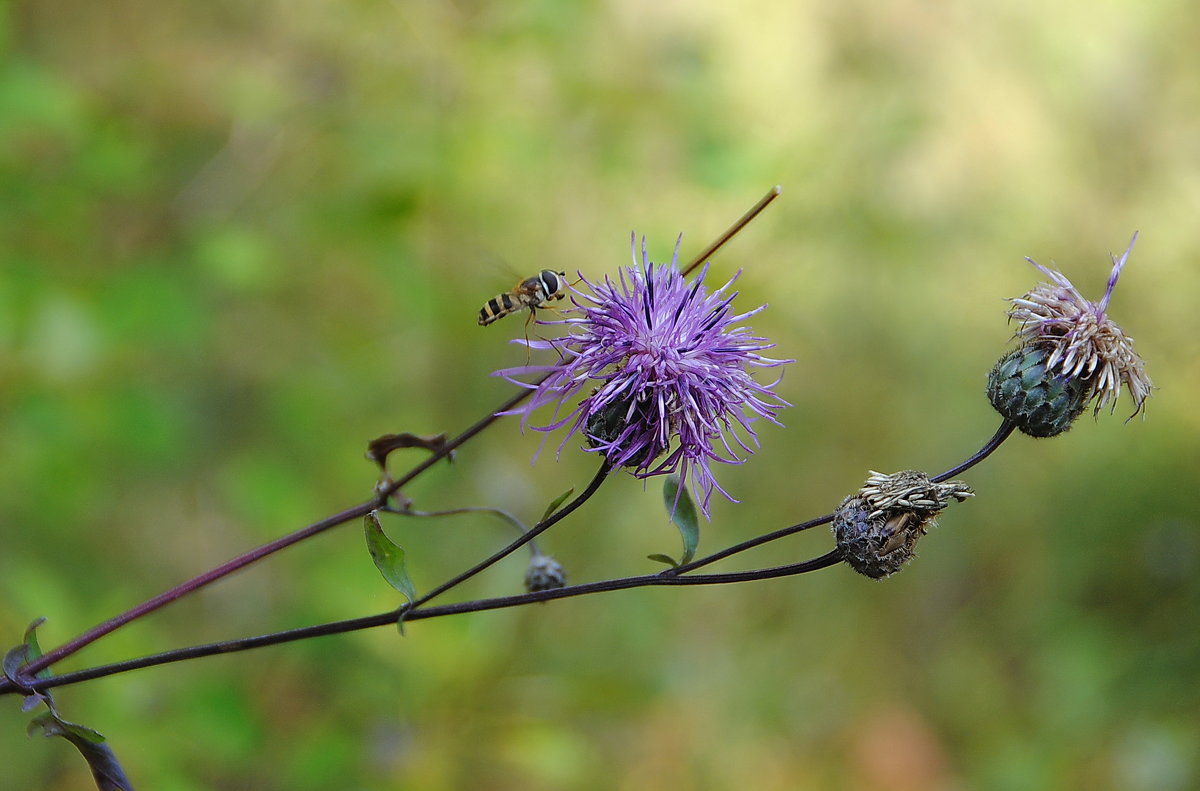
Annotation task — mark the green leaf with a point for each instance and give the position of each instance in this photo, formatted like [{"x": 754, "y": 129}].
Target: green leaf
[
  {"x": 556, "y": 502},
  {"x": 35, "y": 650},
  {"x": 389, "y": 559},
  {"x": 670, "y": 561},
  {"x": 683, "y": 513},
  {"x": 106, "y": 769},
  {"x": 53, "y": 725}
]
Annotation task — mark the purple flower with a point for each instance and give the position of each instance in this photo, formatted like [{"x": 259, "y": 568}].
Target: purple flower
[{"x": 666, "y": 373}]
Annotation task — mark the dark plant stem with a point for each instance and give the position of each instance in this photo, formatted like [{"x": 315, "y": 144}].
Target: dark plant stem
[
  {"x": 668, "y": 577},
  {"x": 207, "y": 578},
  {"x": 362, "y": 510},
  {"x": 1006, "y": 429},
  {"x": 454, "y": 444},
  {"x": 1003, "y": 433},
  {"x": 531, "y": 534},
  {"x": 421, "y": 613},
  {"x": 243, "y": 560},
  {"x": 743, "y": 546},
  {"x": 467, "y": 509}
]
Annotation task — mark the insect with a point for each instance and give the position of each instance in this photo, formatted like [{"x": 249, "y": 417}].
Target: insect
[{"x": 532, "y": 293}]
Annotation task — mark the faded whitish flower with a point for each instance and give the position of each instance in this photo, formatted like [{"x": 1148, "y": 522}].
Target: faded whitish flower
[
  {"x": 1071, "y": 353},
  {"x": 666, "y": 370},
  {"x": 1086, "y": 342}
]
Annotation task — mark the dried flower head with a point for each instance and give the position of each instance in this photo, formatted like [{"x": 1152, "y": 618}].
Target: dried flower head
[
  {"x": 667, "y": 372},
  {"x": 877, "y": 529},
  {"x": 1083, "y": 342}
]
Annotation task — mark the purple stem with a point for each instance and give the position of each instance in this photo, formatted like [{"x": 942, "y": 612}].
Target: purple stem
[{"x": 243, "y": 560}]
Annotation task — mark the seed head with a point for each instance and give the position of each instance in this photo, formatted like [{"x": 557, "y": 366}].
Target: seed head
[{"x": 877, "y": 529}]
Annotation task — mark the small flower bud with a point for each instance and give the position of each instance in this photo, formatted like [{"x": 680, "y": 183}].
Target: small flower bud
[
  {"x": 877, "y": 529},
  {"x": 1042, "y": 402},
  {"x": 544, "y": 573}
]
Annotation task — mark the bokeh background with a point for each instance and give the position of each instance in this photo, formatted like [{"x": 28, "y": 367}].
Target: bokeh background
[{"x": 238, "y": 240}]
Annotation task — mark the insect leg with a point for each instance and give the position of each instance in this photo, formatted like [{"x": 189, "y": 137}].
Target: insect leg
[{"x": 528, "y": 321}]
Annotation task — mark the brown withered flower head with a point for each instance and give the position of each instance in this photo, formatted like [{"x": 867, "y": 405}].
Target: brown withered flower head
[{"x": 877, "y": 529}]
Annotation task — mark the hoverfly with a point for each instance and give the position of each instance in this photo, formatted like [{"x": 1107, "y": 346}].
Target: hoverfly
[{"x": 532, "y": 292}]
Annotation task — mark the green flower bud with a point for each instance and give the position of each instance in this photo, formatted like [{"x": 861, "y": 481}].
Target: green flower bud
[{"x": 1041, "y": 401}]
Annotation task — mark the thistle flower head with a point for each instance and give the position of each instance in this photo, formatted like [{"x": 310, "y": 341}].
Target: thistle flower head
[
  {"x": 1083, "y": 342},
  {"x": 666, "y": 368}
]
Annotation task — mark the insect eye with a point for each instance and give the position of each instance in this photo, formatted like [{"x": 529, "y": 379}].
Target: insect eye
[{"x": 549, "y": 281}]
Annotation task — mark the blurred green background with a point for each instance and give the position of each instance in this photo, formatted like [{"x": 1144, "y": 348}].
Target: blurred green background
[{"x": 238, "y": 240}]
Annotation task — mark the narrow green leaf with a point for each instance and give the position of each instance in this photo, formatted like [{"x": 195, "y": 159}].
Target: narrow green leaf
[
  {"x": 35, "y": 650},
  {"x": 388, "y": 557},
  {"x": 106, "y": 769},
  {"x": 670, "y": 561},
  {"x": 556, "y": 502},
  {"x": 53, "y": 725},
  {"x": 683, "y": 513}
]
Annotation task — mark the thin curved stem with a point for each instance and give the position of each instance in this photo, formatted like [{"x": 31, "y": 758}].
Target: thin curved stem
[
  {"x": 417, "y": 614},
  {"x": 207, "y": 578},
  {"x": 454, "y": 444},
  {"x": 1003, "y": 433},
  {"x": 517, "y": 524},
  {"x": 733, "y": 230},
  {"x": 254, "y": 555},
  {"x": 526, "y": 538},
  {"x": 748, "y": 544},
  {"x": 532, "y": 533}
]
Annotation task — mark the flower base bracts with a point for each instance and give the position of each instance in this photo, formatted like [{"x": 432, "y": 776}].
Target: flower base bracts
[{"x": 1041, "y": 402}]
